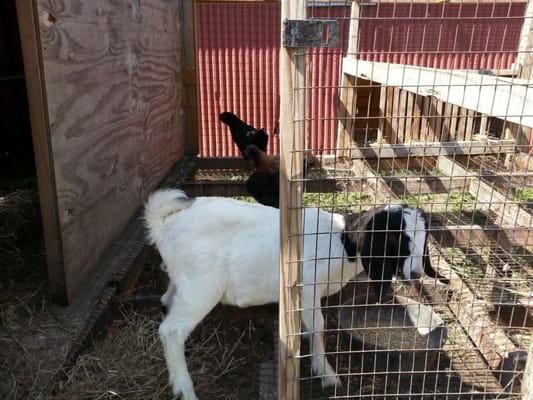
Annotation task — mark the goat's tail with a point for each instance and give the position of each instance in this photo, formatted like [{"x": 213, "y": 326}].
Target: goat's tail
[{"x": 160, "y": 205}]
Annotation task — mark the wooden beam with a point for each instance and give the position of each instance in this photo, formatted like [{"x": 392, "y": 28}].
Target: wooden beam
[
  {"x": 496, "y": 96},
  {"x": 292, "y": 109},
  {"x": 192, "y": 146},
  {"x": 223, "y": 163},
  {"x": 44, "y": 160},
  {"x": 508, "y": 211},
  {"x": 414, "y": 149},
  {"x": 423, "y": 185},
  {"x": 524, "y": 57},
  {"x": 238, "y": 188},
  {"x": 477, "y": 235},
  {"x": 471, "y": 313},
  {"x": 348, "y": 95}
]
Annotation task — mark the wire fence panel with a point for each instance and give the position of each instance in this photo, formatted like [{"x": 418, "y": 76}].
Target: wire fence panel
[
  {"x": 404, "y": 182},
  {"x": 429, "y": 148}
]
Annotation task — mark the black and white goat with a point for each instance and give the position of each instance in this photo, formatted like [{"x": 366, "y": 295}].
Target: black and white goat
[
  {"x": 389, "y": 241},
  {"x": 224, "y": 250}
]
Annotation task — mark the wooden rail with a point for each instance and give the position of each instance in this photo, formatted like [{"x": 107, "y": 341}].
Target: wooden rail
[
  {"x": 292, "y": 108},
  {"x": 508, "y": 211},
  {"x": 470, "y": 147}
]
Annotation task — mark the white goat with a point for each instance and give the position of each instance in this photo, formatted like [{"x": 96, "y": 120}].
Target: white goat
[{"x": 224, "y": 250}]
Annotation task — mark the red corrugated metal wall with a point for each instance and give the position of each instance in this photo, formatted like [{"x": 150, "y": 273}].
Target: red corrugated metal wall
[
  {"x": 238, "y": 53},
  {"x": 456, "y": 35},
  {"x": 238, "y": 56}
]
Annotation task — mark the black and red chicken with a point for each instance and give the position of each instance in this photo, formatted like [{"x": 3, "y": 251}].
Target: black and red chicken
[
  {"x": 263, "y": 183},
  {"x": 243, "y": 134}
]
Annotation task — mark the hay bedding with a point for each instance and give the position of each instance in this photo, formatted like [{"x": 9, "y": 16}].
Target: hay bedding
[{"x": 127, "y": 362}]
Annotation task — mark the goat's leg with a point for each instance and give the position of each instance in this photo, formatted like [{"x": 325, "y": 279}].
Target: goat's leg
[
  {"x": 166, "y": 299},
  {"x": 185, "y": 312},
  {"x": 313, "y": 321}
]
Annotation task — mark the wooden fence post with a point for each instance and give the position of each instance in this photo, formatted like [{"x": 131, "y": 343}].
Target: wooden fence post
[{"x": 292, "y": 124}]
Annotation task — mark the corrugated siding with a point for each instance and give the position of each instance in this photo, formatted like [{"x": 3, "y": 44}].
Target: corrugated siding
[
  {"x": 323, "y": 66},
  {"x": 456, "y": 35},
  {"x": 238, "y": 55}
]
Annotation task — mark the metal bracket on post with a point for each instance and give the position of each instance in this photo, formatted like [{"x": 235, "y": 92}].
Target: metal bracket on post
[{"x": 310, "y": 33}]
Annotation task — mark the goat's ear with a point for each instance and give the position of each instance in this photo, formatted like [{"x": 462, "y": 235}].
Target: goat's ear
[{"x": 350, "y": 245}]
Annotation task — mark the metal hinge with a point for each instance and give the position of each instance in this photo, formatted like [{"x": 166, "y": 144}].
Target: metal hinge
[{"x": 310, "y": 33}]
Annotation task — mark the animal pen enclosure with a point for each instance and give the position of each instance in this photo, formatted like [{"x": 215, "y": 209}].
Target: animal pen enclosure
[
  {"x": 435, "y": 111},
  {"x": 425, "y": 103}
]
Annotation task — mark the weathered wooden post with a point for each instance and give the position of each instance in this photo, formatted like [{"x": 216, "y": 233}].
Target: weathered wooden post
[{"x": 292, "y": 102}]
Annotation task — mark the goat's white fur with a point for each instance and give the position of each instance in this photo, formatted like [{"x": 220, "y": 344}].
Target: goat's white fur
[
  {"x": 224, "y": 250},
  {"x": 415, "y": 229}
]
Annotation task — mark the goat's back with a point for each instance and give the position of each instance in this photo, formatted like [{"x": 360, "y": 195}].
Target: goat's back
[{"x": 236, "y": 244}]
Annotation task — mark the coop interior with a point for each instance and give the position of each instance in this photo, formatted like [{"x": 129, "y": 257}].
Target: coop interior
[{"x": 428, "y": 104}]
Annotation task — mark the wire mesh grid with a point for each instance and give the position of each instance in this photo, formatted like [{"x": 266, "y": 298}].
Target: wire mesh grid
[
  {"x": 423, "y": 103},
  {"x": 434, "y": 111}
]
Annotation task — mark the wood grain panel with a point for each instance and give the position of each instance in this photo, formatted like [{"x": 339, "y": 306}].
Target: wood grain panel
[
  {"x": 27, "y": 17},
  {"x": 113, "y": 81}
]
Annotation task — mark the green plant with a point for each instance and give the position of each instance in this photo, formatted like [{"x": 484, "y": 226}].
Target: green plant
[
  {"x": 336, "y": 200},
  {"x": 523, "y": 194}
]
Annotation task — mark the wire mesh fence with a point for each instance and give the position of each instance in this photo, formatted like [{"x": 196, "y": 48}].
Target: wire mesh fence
[
  {"x": 423, "y": 104},
  {"x": 435, "y": 112}
]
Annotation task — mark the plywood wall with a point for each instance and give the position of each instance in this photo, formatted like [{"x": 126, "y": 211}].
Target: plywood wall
[{"x": 112, "y": 94}]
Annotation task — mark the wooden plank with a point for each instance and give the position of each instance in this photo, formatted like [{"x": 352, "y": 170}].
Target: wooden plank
[
  {"x": 472, "y": 315},
  {"x": 484, "y": 124},
  {"x": 114, "y": 101},
  {"x": 508, "y": 210},
  {"x": 409, "y": 117},
  {"x": 433, "y": 116},
  {"x": 469, "y": 131},
  {"x": 382, "y": 121},
  {"x": 191, "y": 145},
  {"x": 222, "y": 163},
  {"x": 238, "y": 188},
  {"x": 389, "y": 110},
  {"x": 486, "y": 94},
  {"x": 485, "y": 146},
  {"x": 453, "y": 122},
  {"x": 477, "y": 235},
  {"x": 446, "y": 123},
  {"x": 524, "y": 57},
  {"x": 487, "y": 197},
  {"x": 29, "y": 36},
  {"x": 402, "y": 116},
  {"x": 417, "y": 113},
  {"x": 438, "y": 122},
  {"x": 425, "y": 121},
  {"x": 423, "y": 185},
  {"x": 461, "y": 127},
  {"x": 292, "y": 108},
  {"x": 395, "y": 115},
  {"x": 348, "y": 96},
  {"x": 347, "y": 114}
]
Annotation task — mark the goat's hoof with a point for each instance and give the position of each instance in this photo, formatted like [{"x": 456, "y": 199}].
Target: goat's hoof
[{"x": 185, "y": 395}]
